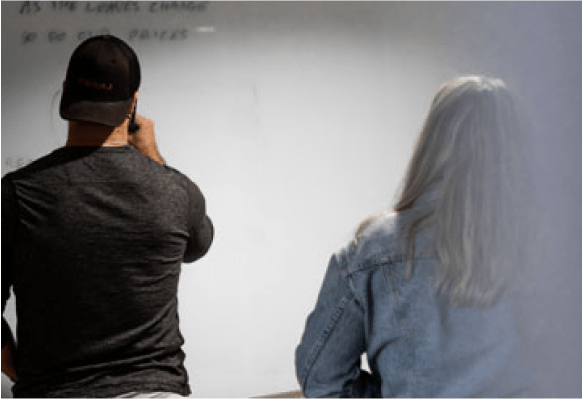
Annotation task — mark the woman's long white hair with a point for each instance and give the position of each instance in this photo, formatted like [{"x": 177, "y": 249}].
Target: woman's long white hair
[{"x": 470, "y": 151}]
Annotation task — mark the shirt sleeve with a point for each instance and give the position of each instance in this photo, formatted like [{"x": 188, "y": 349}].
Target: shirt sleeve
[
  {"x": 8, "y": 225},
  {"x": 201, "y": 230},
  {"x": 328, "y": 359}
]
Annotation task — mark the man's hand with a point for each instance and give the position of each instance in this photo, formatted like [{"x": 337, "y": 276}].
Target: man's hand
[
  {"x": 144, "y": 139},
  {"x": 8, "y": 367}
]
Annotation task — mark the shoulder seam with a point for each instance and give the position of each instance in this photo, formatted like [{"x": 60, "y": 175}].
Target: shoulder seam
[{"x": 384, "y": 260}]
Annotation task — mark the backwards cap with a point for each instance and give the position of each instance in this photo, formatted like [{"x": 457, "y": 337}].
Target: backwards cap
[{"x": 102, "y": 77}]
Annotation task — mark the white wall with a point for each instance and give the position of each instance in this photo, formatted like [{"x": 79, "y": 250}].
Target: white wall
[{"x": 297, "y": 120}]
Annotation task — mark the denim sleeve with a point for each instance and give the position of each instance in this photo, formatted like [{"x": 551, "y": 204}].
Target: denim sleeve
[{"x": 327, "y": 361}]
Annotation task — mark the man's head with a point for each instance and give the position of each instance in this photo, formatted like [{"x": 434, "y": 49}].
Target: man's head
[{"x": 102, "y": 78}]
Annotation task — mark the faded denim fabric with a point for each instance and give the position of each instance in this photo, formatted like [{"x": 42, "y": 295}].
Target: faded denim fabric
[{"x": 416, "y": 344}]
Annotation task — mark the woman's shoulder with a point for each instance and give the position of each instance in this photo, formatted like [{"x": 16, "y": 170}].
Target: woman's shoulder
[
  {"x": 377, "y": 240},
  {"x": 384, "y": 240},
  {"x": 379, "y": 233}
]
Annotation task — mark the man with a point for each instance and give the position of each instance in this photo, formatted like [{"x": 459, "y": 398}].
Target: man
[{"x": 93, "y": 237}]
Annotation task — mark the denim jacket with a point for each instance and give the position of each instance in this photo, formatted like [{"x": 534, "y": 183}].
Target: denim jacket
[{"x": 416, "y": 344}]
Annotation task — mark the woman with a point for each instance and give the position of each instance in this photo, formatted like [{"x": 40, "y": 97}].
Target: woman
[{"x": 421, "y": 291}]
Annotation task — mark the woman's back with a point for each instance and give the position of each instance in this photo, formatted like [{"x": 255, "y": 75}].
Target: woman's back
[{"x": 417, "y": 344}]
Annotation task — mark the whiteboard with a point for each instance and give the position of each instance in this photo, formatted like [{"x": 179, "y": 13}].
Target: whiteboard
[{"x": 296, "y": 119}]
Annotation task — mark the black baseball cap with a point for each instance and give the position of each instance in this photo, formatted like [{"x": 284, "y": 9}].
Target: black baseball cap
[{"x": 102, "y": 77}]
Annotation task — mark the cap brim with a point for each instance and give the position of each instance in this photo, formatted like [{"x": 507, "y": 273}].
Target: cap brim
[{"x": 106, "y": 113}]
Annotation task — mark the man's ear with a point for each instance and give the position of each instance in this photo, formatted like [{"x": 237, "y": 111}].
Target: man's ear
[{"x": 134, "y": 101}]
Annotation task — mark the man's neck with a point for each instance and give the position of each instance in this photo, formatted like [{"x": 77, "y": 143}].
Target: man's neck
[{"x": 86, "y": 134}]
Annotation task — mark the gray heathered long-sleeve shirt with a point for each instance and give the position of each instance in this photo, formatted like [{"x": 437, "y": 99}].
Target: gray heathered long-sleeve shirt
[{"x": 92, "y": 244}]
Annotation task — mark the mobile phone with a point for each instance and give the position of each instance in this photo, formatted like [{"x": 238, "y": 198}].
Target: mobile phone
[{"x": 133, "y": 127}]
